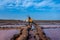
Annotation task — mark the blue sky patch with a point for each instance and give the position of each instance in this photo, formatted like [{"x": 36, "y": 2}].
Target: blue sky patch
[{"x": 37, "y": 9}]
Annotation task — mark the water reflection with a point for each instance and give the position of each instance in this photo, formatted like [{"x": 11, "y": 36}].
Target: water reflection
[
  {"x": 54, "y": 34},
  {"x": 7, "y": 34}
]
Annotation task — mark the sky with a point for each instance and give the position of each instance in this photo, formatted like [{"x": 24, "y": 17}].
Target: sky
[{"x": 37, "y": 9}]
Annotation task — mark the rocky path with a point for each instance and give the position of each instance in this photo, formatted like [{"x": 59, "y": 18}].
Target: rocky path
[{"x": 31, "y": 36}]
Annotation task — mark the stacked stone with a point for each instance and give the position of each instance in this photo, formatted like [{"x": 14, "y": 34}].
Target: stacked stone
[
  {"x": 24, "y": 35},
  {"x": 40, "y": 32},
  {"x": 36, "y": 36}
]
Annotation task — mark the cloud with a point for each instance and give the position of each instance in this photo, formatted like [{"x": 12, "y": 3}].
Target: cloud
[
  {"x": 43, "y": 3},
  {"x": 26, "y": 4}
]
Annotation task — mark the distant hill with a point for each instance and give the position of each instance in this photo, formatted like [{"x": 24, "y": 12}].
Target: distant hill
[
  {"x": 47, "y": 21},
  {"x": 11, "y": 22}
]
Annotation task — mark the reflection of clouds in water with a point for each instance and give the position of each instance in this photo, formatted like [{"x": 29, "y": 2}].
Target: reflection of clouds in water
[
  {"x": 33, "y": 27},
  {"x": 51, "y": 33},
  {"x": 54, "y": 34},
  {"x": 7, "y": 34}
]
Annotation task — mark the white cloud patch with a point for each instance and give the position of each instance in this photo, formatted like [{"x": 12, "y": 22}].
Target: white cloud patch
[{"x": 28, "y": 3}]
